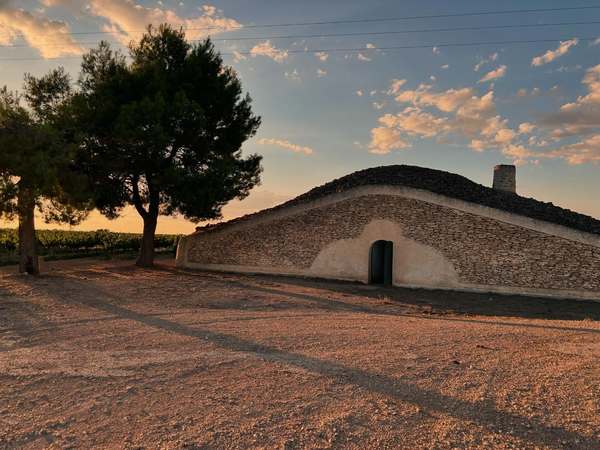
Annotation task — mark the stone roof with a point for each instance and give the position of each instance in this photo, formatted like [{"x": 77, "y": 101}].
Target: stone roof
[{"x": 443, "y": 183}]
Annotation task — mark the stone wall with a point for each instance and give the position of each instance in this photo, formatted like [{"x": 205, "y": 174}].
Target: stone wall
[{"x": 434, "y": 246}]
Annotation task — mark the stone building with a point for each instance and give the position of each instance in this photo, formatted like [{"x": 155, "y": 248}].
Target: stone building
[{"x": 412, "y": 226}]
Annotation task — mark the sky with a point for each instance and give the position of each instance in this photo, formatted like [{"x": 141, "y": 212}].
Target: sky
[{"x": 459, "y": 92}]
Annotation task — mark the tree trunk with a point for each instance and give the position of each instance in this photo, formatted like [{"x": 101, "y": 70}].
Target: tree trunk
[
  {"x": 28, "y": 257},
  {"x": 146, "y": 257}
]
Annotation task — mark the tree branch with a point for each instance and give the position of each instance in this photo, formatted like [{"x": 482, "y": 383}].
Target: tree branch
[
  {"x": 154, "y": 201},
  {"x": 137, "y": 199}
]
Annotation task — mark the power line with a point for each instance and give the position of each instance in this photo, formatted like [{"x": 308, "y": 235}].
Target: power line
[
  {"x": 372, "y": 33},
  {"x": 408, "y": 47},
  {"x": 432, "y": 16},
  {"x": 377, "y": 20},
  {"x": 364, "y": 49},
  {"x": 426, "y": 30}
]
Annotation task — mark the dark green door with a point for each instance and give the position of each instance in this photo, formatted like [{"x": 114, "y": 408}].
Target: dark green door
[{"x": 381, "y": 262}]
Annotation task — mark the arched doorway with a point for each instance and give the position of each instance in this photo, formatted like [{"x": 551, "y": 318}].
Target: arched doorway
[{"x": 381, "y": 261}]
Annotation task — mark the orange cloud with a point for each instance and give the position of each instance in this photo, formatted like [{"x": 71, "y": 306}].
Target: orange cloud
[
  {"x": 385, "y": 139},
  {"x": 286, "y": 145},
  {"x": 551, "y": 55},
  {"x": 494, "y": 74},
  {"x": 270, "y": 51},
  {"x": 51, "y": 38},
  {"x": 127, "y": 19}
]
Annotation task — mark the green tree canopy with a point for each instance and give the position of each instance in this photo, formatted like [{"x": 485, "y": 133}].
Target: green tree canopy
[
  {"x": 36, "y": 160},
  {"x": 164, "y": 131}
]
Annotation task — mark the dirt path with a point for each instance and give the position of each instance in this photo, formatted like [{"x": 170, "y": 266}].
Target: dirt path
[{"x": 101, "y": 354}]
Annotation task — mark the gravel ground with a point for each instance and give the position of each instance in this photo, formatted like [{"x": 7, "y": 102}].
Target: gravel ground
[{"x": 99, "y": 354}]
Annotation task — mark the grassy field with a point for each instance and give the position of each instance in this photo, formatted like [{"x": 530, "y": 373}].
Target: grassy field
[{"x": 57, "y": 244}]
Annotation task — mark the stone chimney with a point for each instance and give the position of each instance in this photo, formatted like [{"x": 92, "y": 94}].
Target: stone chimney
[{"x": 505, "y": 178}]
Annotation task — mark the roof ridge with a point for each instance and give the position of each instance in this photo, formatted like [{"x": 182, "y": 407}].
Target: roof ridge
[{"x": 442, "y": 183}]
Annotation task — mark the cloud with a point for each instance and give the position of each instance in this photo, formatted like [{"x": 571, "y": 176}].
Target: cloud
[
  {"x": 287, "y": 145},
  {"x": 520, "y": 154},
  {"x": 551, "y": 55},
  {"x": 526, "y": 128},
  {"x": 445, "y": 101},
  {"x": 395, "y": 86},
  {"x": 385, "y": 139},
  {"x": 463, "y": 114},
  {"x": 126, "y": 19},
  {"x": 494, "y": 74},
  {"x": 535, "y": 92},
  {"x": 359, "y": 93},
  {"x": 581, "y": 116},
  {"x": 415, "y": 122},
  {"x": 268, "y": 50},
  {"x": 322, "y": 56},
  {"x": 209, "y": 10},
  {"x": 504, "y": 136},
  {"x": 445, "y": 67},
  {"x": 535, "y": 141},
  {"x": 567, "y": 69},
  {"x": 237, "y": 56},
  {"x": 585, "y": 151},
  {"x": 579, "y": 119},
  {"x": 378, "y": 105},
  {"x": 363, "y": 58},
  {"x": 436, "y": 50},
  {"x": 321, "y": 73},
  {"x": 491, "y": 58},
  {"x": 66, "y": 3},
  {"x": 293, "y": 76},
  {"x": 459, "y": 113},
  {"x": 50, "y": 38}
]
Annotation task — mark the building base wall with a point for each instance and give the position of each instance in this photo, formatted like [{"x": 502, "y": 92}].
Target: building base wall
[
  {"x": 479, "y": 289},
  {"x": 439, "y": 243}
]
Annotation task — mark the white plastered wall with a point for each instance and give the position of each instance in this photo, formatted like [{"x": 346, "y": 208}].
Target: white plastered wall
[{"x": 414, "y": 263}]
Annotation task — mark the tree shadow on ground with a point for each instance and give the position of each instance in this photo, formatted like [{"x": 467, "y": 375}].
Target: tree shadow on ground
[
  {"x": 339, "y": 296},
  {"x": 482, "y": 413},
  {"x": 20, "y": 318},
  {"x": 436, "y": 301},
  {"x": 335, "y": 305}
]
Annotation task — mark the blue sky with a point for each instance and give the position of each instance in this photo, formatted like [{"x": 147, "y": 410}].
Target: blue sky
[{"x": 326, "y": 115}]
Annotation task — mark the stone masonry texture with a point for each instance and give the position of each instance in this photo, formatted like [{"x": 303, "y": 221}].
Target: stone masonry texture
[
  {"x": 505, "y": 178},
  {"x": 483, "y": 251}
]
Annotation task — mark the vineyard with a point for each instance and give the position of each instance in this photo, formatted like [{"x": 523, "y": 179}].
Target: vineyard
[{"x": 56, "y": 244}]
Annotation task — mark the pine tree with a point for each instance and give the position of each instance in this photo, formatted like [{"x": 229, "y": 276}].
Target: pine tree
[
  {"x": 164, "y": 132},
  {"x": 36, "y": 160}
]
